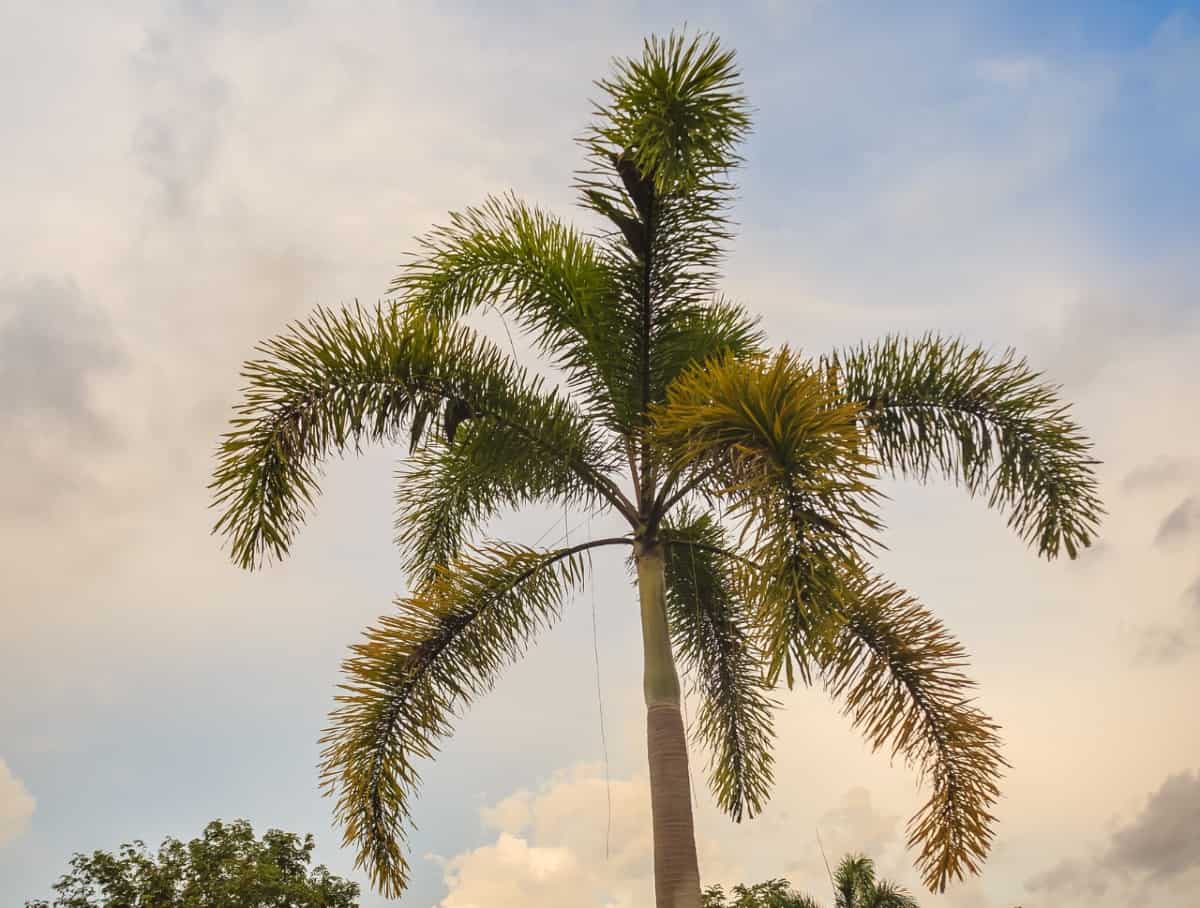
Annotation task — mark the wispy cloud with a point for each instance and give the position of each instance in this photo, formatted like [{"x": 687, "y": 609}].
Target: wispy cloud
[
  {"x": 1181, "y": 523},
  {"x": 16, "y": 805},
  {"x": 1161, "y": 472},
  {"x": 54, "y": 346}
]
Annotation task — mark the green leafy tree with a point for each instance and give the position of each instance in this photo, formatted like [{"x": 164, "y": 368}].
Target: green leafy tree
[
  {"x": 747, "y": 479},
  {"x": 854, "y": 886},
  {"x": 771, "y": 894},
  {"x": 227, "y": 867}
]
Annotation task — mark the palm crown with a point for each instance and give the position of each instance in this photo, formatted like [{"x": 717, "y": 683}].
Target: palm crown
[{"x": 670, "y": 411}]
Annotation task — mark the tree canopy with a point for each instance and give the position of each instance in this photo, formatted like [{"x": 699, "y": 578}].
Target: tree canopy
[{"x": 225, "y": 867}]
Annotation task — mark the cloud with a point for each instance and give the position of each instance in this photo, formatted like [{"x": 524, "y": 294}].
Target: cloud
[
  {"x": 855, "y": 825},
  {"x": 16, "y": 805},
  {"x": 1191, "y": 597},
  {"x": 1163, "y": 644},
  {"x": 1165, "y": 471},
  {"x": 1068, "y": 875},
  {"x": 179, "y": 135},
  {"x": 1181, "y": 523},
  {"x": 1164, "y": 840},
  {"x": 551, "y": 848},
  {"x": 54, "y": 345},
  {"x": 1159, "y": 846}
]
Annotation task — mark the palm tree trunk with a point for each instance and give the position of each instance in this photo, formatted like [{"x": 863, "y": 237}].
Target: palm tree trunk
[{"x": 676, "y": 872}]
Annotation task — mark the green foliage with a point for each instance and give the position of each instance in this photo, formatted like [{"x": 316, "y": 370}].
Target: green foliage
[
  {"x": 556, "y": 283},
  {"x": 769, "y": 438},
  {"x": 227, "y": 866},
  {"x": 343, "y": 378},
  {"x": 991, "y": 424},
  {"x": 447, "y": 491},
  {"x": 854, "y": 886},
  {"x": 769, "y": 894},
  {"x": 757, "y": 470},
  {"x": 712, "y": 631},
  {"x": 405, "y": 682}
]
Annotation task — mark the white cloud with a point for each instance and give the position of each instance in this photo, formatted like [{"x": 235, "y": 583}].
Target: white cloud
[
  {"x": 16, "y": 805},
  {"x": 551, "y": 844}
]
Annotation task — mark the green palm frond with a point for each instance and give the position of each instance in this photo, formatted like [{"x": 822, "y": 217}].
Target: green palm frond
[
  {"x": 714, "y": 330},
  {"x": 343, "y": 378},
  {"x": 769, "y": 438},
  {"x": 991, "y": 424},
  {"x": 556, "y": 283},
  {"x": 712, "y": 634},
  {"x": 445, "y": 492},
  {"x": 659, "y": 151},
  {"x": 897, "y": 672},
  {"x": 886, "y": 894},
  {"x": 678, "y": 112},
  {"x": 405, "y": 682},
  {"x": 853, "y": 881}
]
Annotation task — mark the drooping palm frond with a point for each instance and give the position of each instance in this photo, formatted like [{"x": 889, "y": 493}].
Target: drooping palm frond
[
  {"x": 770, "y": 439},
  {"x": 404, "y": 683},
  {"x": 447, "y": 491},
  {"x": 897, "y": 672},
  {"x": 712, "y": 634},
  {"x": 990, "y": 423},
  {"x": 559, "y": 286},
  {"x": 788, "y": 455},
  {"x": 343, "y": 378}
]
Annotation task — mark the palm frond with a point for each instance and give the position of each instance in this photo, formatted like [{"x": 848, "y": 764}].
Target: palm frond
[
  {"x": 897, "y": 672},
  {"x": 344, "y": 378},
  {"x": 447, "y": 491},
  {"x": 990, "y": 423},
  {"x": 405, "y": 682},
  {"x": 769, "y": 438},
  {"x": 712, "y": 331},
  {"x": 678, "y": 113},
  {"x": 886, "y": 894},
  {"x": 853, "y": 881},
  {"x": 659, "y": 150},
  {"x": 560, "y": 287},
  {"x": 710, "y": 629}
]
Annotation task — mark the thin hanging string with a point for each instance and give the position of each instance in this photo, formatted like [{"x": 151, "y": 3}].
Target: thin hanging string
[
  {"x": 600, "y": 700},
  {"x": 504, "y": 322},
  {"x": 686, "y": 722},
  {"x": 821, "y": 845}
]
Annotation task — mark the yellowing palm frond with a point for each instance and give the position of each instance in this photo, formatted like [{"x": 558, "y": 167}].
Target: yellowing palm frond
[{"x": 444, "y": 647}]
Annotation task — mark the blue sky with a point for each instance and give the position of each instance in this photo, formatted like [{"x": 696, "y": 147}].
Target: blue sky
[{"x": 181, "y": 180}]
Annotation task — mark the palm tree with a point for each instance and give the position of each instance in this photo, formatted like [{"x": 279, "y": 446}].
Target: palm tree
[
  {"x": 747, "y": 479},
  {"x": 855, "y": 886}
]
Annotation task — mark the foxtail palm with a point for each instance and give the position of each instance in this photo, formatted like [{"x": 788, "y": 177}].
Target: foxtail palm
[
  {"x": 855, "y": 886},
  {"x": 669, "y": 412}
]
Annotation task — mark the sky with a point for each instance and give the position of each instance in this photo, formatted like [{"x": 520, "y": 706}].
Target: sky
[{"x": 181, "y": 180}]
